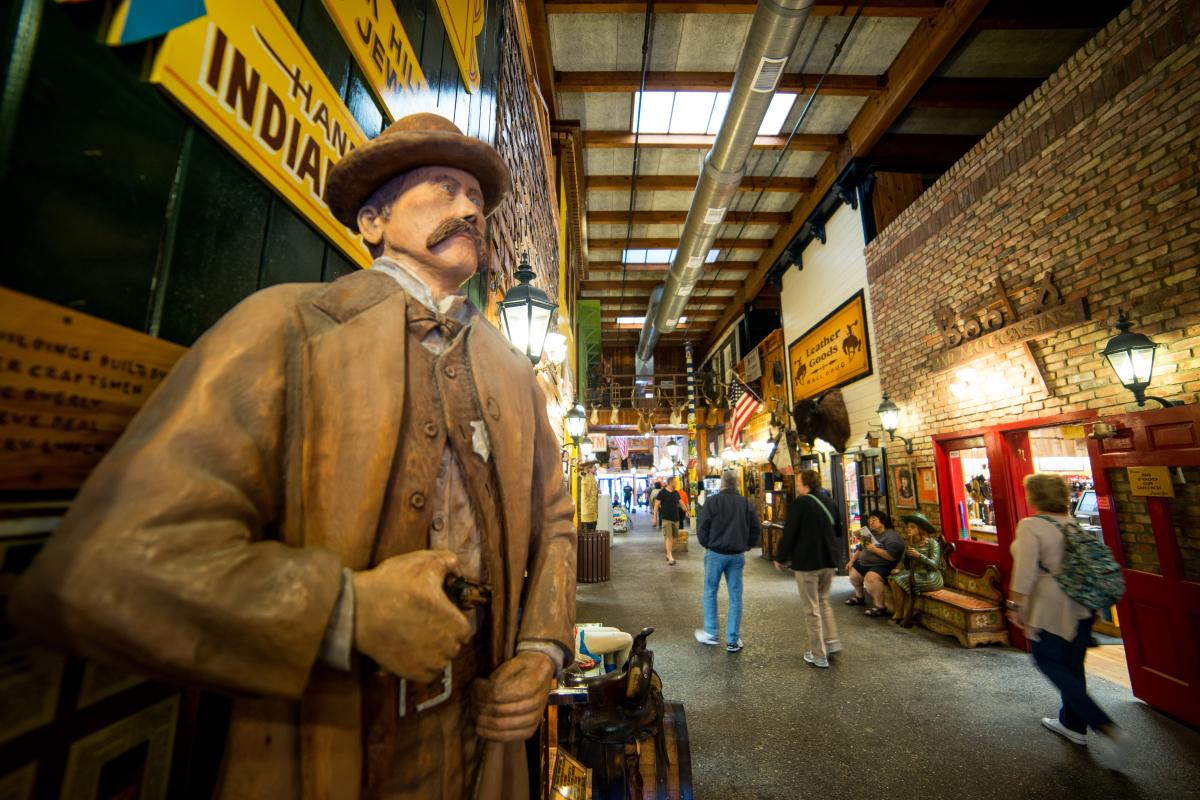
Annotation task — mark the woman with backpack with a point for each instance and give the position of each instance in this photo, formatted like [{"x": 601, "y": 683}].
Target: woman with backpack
[{"x": 1049, "y": 556}]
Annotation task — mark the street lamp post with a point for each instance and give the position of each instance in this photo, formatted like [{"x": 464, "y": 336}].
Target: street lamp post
[
  {"x": 1131, "y": 356},
  {"x": 576, "y": 425}
]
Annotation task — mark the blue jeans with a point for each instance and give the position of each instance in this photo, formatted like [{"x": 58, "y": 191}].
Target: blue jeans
[
  {"x": 1062, "y": 662},
  {"x": 716, "y": 565}
]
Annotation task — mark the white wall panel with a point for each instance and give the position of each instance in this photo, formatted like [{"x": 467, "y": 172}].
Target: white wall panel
[{"x": 832, "y": 273}]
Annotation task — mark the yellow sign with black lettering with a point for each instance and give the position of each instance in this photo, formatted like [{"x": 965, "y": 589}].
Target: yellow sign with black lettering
[
  {"x": 375, "y": 36},
  {"x": 1150, "y": 482},
  {"x": 243, "y": 72},
  {"x": 832, "y": 353},
  {"x": 464, "y": 22}
]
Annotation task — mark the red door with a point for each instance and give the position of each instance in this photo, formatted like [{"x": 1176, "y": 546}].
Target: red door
[{"x": 1157, "y": 541}]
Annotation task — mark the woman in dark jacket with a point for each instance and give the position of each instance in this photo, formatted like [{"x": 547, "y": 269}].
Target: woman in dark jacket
[{"x": 809, "y": 545}]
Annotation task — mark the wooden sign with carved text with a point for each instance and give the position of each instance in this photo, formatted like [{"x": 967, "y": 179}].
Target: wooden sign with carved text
[{"x": 69, "y": 384}]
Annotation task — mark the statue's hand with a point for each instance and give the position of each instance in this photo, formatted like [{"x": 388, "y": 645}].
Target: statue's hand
[
  {"x": 403, "y": 618},
  {"x": 509, "y": 704}
]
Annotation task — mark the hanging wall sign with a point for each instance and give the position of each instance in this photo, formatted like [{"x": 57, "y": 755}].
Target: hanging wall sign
[
  {"x": 464, "y": 22},
  {"x": 834, "y": 352},
  {"x": 373, "y": 33},
  {"x": 243, "y": 72},
  {"x": 1150, "y": 482},
  {"x": 69, "y": 384}
]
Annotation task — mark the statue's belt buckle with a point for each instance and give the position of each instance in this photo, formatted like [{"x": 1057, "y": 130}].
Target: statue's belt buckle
[{"x": 447, "y": 688}]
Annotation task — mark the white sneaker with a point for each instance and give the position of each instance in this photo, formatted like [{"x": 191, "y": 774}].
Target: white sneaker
[
  {"x": 735, "y": 646},
  {"x": 1065, "y": 732},
  {"x": 703, "y": 637},
  {"x": 823, "y": 663}
]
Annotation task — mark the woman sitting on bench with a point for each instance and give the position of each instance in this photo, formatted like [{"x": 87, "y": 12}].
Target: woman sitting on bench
[{"x": 923, "y": 561}]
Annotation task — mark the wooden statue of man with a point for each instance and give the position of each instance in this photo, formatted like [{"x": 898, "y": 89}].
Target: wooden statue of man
[{"x": 280, "y": 518}]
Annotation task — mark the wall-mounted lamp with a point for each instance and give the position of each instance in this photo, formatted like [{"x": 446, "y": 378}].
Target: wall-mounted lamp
[
  {"x": 576, "y": 422},
  {"x": 586, "y": 449},
  {"x": 1131, "y": 355},
  {"x": 889, "y": 420},
  {"x": 673, "y": 449},
  {"x": 525, "y": 312}
]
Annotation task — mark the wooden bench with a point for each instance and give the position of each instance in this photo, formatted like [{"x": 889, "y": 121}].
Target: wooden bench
[{"x": 969, "y": 607}]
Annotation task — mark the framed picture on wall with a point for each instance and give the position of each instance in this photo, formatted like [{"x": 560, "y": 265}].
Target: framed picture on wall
[
  {"x": 905, "y": 486},
  {"x": 927, "y": 485}
]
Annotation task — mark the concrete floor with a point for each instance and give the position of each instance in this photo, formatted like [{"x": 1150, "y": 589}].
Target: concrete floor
[{"x": 899, "y": 714}]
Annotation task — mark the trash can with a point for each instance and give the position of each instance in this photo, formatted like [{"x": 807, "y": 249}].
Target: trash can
[{"x": 592, "y": 557}]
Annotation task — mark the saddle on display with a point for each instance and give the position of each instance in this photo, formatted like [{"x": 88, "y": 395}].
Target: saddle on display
[{"x": 624, "y": 707}]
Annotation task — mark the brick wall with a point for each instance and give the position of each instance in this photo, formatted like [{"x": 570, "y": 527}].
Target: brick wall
[{"x": 1094, "y": 176}]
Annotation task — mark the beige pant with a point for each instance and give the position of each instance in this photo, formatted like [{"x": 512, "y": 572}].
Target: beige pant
[{"x": 819, "y": 628}]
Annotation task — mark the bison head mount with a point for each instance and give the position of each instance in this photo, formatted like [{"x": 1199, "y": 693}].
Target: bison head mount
[{"x": 823, "y": 417}]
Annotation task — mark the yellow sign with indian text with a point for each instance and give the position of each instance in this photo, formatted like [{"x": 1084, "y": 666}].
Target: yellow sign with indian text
[
  {"x": 243, "y": 72},
  {"x": 834, "y": 352},
  {"x": 1150, "y": 482},
  {"x": 464, "y": 22},
  {"x": 373, "y": 33}
]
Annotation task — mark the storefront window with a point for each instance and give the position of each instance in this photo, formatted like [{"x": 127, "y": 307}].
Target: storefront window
[{"x": 971, "y": 488}]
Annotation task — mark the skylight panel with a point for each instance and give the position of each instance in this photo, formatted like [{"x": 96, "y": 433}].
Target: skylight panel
[
  {"x": 683, "y": 320},
  {"x": 711, "y": 258},
  {"x": 634, "y": 256},
  {"x": 777, "y": 113},
  {"x": 655, "y": 116},
  {"x": 691, "y": 112},
  {"x": 660, "y": 256},
  {"x": 630, "y": 320},
  {"x": 720, "y": 104}
]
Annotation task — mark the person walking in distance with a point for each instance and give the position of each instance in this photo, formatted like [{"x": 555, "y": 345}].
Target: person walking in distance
[
  {"x": 810, "y": 545},
  {"x": 668, "y": 509},
  {"x": 727, "y": 526},
  {"x": 652, "y": 497},
  {"x": 629, "y": 498}
]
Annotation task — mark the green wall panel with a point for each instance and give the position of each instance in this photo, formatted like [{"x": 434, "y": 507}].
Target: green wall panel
[
  {"x": 293, "y": 252},
  {"x": 220, "y": 231},
  {"x": 90, "y": 174}
]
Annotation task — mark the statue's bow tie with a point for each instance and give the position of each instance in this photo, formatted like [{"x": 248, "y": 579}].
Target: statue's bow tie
[{"x": 422, "y": 321}]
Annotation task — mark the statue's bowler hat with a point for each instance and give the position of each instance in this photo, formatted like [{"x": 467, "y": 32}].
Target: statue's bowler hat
[{"x": 418, "y": 140}]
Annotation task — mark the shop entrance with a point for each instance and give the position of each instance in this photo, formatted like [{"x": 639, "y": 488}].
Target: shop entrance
[{"x": 1151, "y": 520}]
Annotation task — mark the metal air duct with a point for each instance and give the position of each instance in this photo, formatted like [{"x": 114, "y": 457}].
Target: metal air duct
[{"x": 769, "y": 44}]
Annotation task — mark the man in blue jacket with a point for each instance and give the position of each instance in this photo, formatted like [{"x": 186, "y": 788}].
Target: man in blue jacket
[{"x": 727, "y": 527}]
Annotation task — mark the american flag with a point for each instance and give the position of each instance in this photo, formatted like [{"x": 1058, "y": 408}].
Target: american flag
[
  {"x": 744, "y": 404},
  {"x": 621, "y": 445}
]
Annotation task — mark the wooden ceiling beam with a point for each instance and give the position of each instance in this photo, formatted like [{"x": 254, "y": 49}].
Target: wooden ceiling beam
[
  {"x": 687, "y": 183},
  {"x": 631, "y": 81},
  {"x": 808, "y": 142},
  {"x": 645, "y": 286},
  {"x": 665, "y": 242},
  {"x": 543, "y": 61},
  {"x": 1038, "y": 15},
  {"x": 1002, "y": 93},
  {"x": 821, "y": 8},
  {"x": 716, "y": 266},
  {"x": 679, "y": 217},
  {"x": 927, "y": 47}
]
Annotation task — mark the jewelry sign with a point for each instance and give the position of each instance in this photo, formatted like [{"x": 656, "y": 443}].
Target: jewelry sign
[
  {"x": 243, "y": 72},
  {"x": 373, "y": 33},
  {"x": 834, "y": 352}
]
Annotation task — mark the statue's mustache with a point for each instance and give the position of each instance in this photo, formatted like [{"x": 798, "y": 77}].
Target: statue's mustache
[{"x": 453, "y": 227}]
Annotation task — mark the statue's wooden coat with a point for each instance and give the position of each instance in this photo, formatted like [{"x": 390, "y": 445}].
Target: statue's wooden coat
[{"x": 207, "y": 547}]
